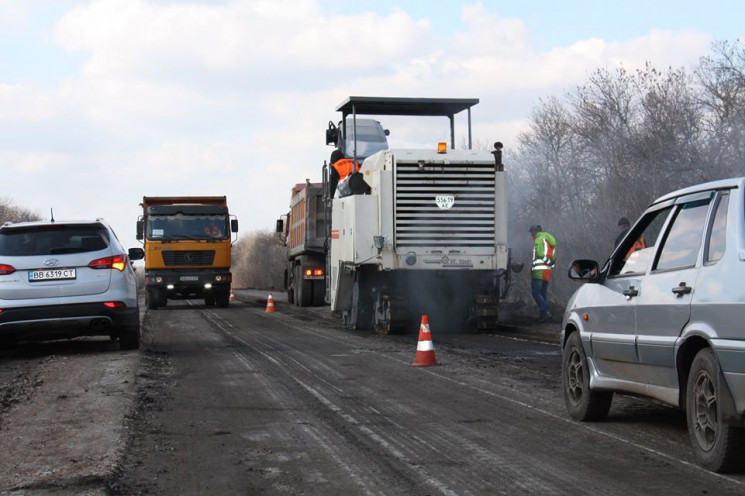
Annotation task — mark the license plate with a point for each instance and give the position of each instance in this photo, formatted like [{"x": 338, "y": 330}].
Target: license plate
[
  {"x": 51, "y": 274},
  {"x": 189, "y": 278}
]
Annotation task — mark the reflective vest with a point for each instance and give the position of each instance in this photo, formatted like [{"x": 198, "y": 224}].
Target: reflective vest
[
  {"x": 345, "y": 166},
  {"x": 544, "y": 256}
]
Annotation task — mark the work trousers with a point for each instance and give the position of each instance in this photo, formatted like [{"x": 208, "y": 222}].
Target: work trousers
[{"x": 539, "y": 288}]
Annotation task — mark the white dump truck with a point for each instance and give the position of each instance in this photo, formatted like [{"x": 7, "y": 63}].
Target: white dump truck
[{"x": 420, "y": 231}]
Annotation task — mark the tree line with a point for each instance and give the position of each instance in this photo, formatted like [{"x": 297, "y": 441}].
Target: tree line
[
  {"x": 10, "y": 212},
  {"x": 616, "y": 142}
]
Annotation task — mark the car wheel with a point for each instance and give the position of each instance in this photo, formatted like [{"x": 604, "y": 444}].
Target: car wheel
[
  {"x": 717, "y": 445},
  {"x": 129, "y": 339},
  {"x": 582, "y": 402}
]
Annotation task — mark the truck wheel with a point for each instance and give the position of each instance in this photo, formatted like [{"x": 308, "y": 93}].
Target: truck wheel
[
  {"x": 582, "y": 403},
  {"x": 361, "y": 314},
  {"x": 222, "y": 297},
  {"x": 304, "y": 295},
  {"x": 717, "y": 445},
  {"x": 209, "y": 299},
  {"x": 319, "y": 293},
  {"x": 129, "y": 339},
  {"x": 290, "y": 295},
  {"x": 298, "y": 290},
  {"x": 152, "y": 299}
]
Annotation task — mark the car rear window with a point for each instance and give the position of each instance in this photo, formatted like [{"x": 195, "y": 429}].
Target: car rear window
[{"x": 52, "y": 240}]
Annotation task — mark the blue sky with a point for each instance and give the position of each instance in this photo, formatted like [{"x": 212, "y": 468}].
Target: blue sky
[{"x": 104, "y": 101}]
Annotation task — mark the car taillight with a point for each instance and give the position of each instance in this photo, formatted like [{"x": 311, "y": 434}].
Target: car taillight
[
  {"x": 317, "y": 272},
  {"x": 114, "y": 304},
  {"x": 6, "y": 269},
  {"x": 117, "y": 262}
]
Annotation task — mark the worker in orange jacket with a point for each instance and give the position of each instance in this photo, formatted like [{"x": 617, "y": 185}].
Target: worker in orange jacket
[{"x": 340, "y": 168}]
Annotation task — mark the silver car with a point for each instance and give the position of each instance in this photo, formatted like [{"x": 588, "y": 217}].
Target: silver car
[
  {"x": 67, "y": 279},
  {"x": 665, "y": 318}
]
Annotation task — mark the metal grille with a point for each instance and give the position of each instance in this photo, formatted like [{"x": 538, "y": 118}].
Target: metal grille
[
  {"x": 192, "y": 257},
  {"x": 468, "y": 223}
]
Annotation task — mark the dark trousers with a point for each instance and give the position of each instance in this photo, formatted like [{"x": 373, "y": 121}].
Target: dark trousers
[{"x": 539, "y": 288}]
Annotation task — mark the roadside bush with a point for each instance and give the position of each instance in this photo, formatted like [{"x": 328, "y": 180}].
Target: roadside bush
[{"x": 259, "y": 261}]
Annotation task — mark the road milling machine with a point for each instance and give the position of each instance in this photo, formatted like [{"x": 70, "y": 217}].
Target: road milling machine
[{"x": 416, "y": 231}]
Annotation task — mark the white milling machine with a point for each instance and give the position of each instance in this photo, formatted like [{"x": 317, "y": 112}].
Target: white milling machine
[{"x": 426, "y": 232}]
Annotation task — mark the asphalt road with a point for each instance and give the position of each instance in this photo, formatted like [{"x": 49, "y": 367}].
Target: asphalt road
[
  {"x": 240, "y": 401},
  {"x": 250, "y": 402}
]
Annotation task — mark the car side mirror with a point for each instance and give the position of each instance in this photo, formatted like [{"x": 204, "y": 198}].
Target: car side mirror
[
  {"x": 136, "y": 254},
  {"x": 584, "y": 270}
]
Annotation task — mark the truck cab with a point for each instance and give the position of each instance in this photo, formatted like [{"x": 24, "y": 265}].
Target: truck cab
[{"x": 187, "y": 243}]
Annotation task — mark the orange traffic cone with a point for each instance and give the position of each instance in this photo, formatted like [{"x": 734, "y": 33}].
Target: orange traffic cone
[
  {"x": 425, "y": 351},
  {"x": 232, "y": 295},
  {"x": 270, "y": 304}
]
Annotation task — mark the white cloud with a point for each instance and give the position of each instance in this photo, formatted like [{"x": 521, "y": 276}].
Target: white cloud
[{"x": 234, "y": 97}]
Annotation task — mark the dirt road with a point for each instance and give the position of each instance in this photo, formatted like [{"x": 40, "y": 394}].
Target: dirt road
[{"x": 238, "y": 401}]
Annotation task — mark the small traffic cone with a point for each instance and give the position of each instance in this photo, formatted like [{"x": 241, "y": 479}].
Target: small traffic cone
[
  {"x": 232, "y": 295},
  {"x": 425, "y": 351},
  {"x": 270, "y": 304}
]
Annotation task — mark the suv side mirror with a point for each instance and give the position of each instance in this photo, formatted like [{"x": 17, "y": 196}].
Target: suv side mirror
[
  {"x": 584, "y": 270},
  {"x": 136, "y": 254}
]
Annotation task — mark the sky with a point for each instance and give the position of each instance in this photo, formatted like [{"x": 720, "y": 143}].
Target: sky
[{"x": 105, "y": 101}]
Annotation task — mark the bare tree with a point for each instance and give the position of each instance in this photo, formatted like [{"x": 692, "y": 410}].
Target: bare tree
[
  {"x": 259, "y": 261},
  {"x": 722, "y": 79},
  {"x": 617, "y": 142},
  {"x": 9, "y": 212}
]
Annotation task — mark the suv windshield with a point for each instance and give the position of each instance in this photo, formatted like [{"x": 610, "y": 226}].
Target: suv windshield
[{"x": 52, "y": 240}]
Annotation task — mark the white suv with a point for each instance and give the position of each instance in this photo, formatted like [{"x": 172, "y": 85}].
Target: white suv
[{"x": 63, "y": 279}]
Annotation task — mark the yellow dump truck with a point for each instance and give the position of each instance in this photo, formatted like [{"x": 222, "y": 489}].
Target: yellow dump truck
[{"x": 187, "y": 248}]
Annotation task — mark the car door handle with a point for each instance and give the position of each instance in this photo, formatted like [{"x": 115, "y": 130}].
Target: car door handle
[
  {"x": 682, "y": 289},
  {"x": 631, "y": 292}
]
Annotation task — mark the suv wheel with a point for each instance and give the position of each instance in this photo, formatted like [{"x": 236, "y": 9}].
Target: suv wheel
[
  {"x": 582, "y": 402},
  {"x": 129, "y": 339},
  {"x": 717, "y": 445}
]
